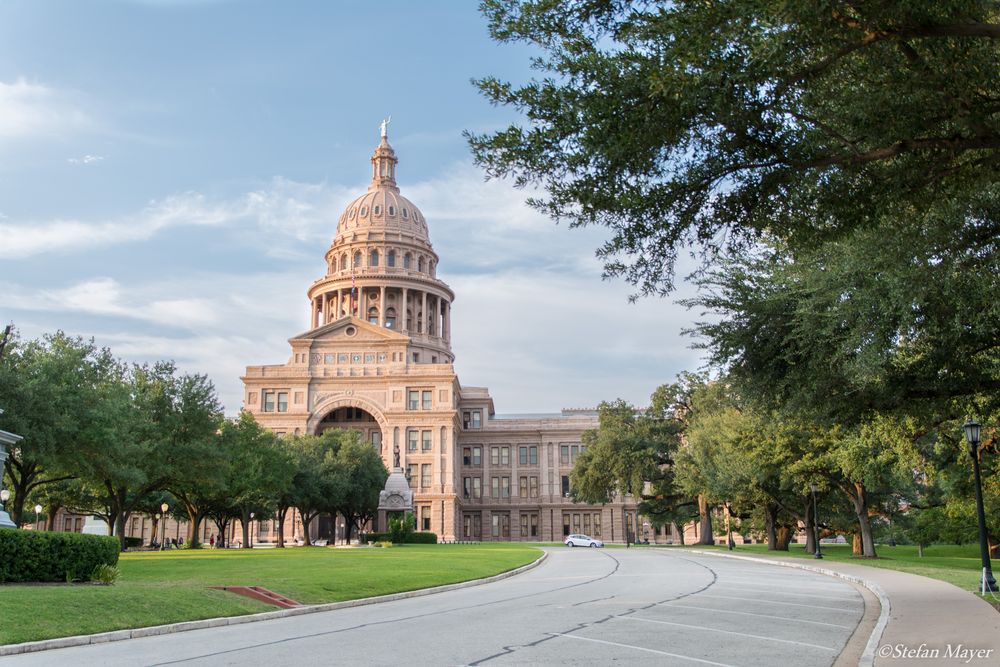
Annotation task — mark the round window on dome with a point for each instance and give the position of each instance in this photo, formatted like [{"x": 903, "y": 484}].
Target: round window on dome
[
  {"x": 405, "y": 214},
  {"x": 364, "y": 211},
  {"x": 376, "y": 210}
]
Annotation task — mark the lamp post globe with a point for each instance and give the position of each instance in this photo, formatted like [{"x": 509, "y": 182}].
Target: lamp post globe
[
  {"x": 972, "y": 430},
  {"x": 163, "y": 528},
  {"x": 251, "y": 530},
  {"x": 4, "y": 496},
  {"x": 38, "y": 511}
]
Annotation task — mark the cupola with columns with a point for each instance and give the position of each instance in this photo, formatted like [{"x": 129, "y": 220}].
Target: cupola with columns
[{"x": 381, "y": 267}]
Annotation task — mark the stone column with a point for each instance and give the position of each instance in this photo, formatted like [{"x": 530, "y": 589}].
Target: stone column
[
  {"x": 362, "y": 304},
  {"x": 381, "y": 307},
  {"x": 423, "y": 311},
  {"x": 447, "y": 322},
  {"x": 406, "y": 321}
]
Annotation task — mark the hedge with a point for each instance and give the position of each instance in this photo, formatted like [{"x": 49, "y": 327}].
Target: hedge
[
  {"x": 412, "y": 538},
  {"x": 29, "y": 556}
]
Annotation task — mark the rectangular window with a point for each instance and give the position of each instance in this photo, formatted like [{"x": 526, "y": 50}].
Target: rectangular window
[
  {"x": 412, "y": 440},
  {"x": 505, "y": 456},
  {"x": 494, "y": 456},
  {"x": 565, "y": 486},
  {"x": 597, "y": 525},
  {"x": 586, "y": 524},
  {"x": 565, "y": 525},
  {"x": 467, "y": 487},
  {"x": 477, "y": 487},
  {"x": 494, "y": 487},
  {"x": 564, "y": 454},
  {"x": 533, "y": 487},
  {"x": 505, "y": 487},
  {"x": 426, "y": 520},
  {"x": 477, "y": 456},
  {"x": 472, "y": 526},
  {"x": 467, "y": 456},
  {"x": 533, "y": 523},
  {"x": 269, "y": 398},
  {"x": 425, "y": 476},
  {"x": 425, "y": 396},
  {"x": 576, "y": 523},
  {"x": 533, "y": 455},
  {"x": 413, "y": 400},
  {"x": 501, "y": 526},
  {"x": 425, "y": 440},
  {"x": 477, "y": 419},
  {"x": 411, "y": 474},
  {"x": 524, "y": 525},
  {"x": 377, "y": 440},
  {"x": 282, "y": 401},
  {"x": 522, "y": 456},
  {"x": 522, "y": 487},
  {"x": 573, "y": 451}
]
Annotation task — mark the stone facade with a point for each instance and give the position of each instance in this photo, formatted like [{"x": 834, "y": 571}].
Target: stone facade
[{"x": 377, "y": 358}]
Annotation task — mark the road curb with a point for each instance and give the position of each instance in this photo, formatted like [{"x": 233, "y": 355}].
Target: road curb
[
  {"x": 868, "y": 656},
  {"x": 184, "y": 626}
]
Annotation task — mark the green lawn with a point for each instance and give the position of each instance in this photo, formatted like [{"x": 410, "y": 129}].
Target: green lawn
[
  {"x": 171, "y": 586},
  {"x": 958, "y": 565}
]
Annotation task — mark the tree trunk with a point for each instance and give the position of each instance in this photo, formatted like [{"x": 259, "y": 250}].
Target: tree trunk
[
  {"x": 120, "y": 522},
  {"x": 771, "y": 526},
  {"x": 860, "y": 499},
  {"x": 245, "y": 524},
  {"x": 784, "y": 537},
  {"x": 705, "y": 518},
  {"x": 306, "y": 520},
  {"x": 195, "y": 518},
  {"x": 920, "y": 550},
  {"x": 810, "y": 527},
  {"x": 282, "y": 513},
  {"x": 856, "y": 544}
]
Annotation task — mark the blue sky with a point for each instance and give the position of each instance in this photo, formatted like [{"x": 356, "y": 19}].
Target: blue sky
[{"x": 171, "y": 173}]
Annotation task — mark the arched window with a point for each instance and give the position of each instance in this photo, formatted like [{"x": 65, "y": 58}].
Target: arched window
[
  {"x": 407, "y": 260},
  {"x": 357, "y": 259},
  {"x": 343, "y": 262},
  {"x": 373, "y": 315},
  {"x": 377, "y": 210},
  {"x": 390, "y": 318},
  {"x": 420, "y": 265},
  {"x": 373, "y": 258},
  {"x": 390, "y": 259}
]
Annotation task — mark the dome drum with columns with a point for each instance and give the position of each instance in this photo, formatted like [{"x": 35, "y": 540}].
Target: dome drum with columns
[{"x": 377, "y": 358}]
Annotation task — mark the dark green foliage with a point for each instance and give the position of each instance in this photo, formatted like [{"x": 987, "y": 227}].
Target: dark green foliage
[
  {"x": 133, "y": 542},
  {"x": 709, "y": 124},
  {"x": 412, "y": 538},
  {"x": 401, "y": 529},
  {"x": 30, "y": 556}
]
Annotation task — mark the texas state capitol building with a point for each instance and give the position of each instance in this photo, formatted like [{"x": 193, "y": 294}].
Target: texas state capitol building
[{"x": 377, "y": 358}]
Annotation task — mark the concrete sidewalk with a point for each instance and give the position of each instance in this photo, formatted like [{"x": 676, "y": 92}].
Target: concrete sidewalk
[{"x": 928, "y": 622}]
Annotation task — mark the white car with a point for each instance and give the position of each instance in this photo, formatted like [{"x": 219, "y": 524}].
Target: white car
[{"x": 583, "y": 541}]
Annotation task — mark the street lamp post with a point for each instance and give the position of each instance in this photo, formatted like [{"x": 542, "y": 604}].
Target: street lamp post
[
  {"x": 251, "y": 530},
  {"x": 38, "y": 511},
  {"x": 972, "y": 432},
  {"x": 163, "y": 528},
  {"x": 155, "y": 526},
  {"x": 817, "y": 553}
]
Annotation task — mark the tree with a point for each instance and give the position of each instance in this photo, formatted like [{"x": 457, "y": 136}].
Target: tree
[
  {"x": 261, "y": 470},
  {"x": 632, "y": 452},
  {"x": 708, "y": 124},
  {"x": 48, "y": 392},
  {"x": 361, "y": 474}
]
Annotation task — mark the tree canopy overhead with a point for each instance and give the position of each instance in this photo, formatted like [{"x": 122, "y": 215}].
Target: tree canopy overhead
[{"x": 705, "y": 125}]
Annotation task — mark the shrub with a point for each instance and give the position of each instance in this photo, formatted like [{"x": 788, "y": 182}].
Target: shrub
[
  {"x": 385, "y": 544},
  {"x": 422, "y": 538},
  {"x": 105, "y": 574},
  {"x": 133, "y": 542},
  {"x": 412, "y": 538},
  {"x": 27, "y": 556}
]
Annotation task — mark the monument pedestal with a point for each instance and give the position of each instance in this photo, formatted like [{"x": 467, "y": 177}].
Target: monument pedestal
[
  {"x": 395, "y": 497},
  {"x": 6, "y": 439}
]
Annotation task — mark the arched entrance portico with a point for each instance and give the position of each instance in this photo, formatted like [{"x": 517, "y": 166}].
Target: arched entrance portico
[{"x": 352, "y": 412}]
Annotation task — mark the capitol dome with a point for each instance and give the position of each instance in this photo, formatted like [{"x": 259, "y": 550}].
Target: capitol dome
[{"x": 382, "y": 208}]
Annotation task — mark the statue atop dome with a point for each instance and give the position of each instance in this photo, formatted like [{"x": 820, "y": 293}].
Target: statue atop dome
[{"x": 385, "y": 124}]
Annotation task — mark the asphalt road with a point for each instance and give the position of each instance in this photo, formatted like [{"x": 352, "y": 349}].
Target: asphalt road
[{"x": 581, "y": 607}]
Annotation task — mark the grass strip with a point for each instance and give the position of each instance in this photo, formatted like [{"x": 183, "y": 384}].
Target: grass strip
[{"x": 173, "y": 586}]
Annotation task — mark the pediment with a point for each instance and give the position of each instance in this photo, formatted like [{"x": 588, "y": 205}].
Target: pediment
[{"x": 341, "y": 331}]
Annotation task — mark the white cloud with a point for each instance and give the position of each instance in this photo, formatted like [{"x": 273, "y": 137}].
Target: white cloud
[
  {"x": 532, "y": 319},
  {"x": 86, "y": 159},
  {"x": 31, "y": 109}
]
